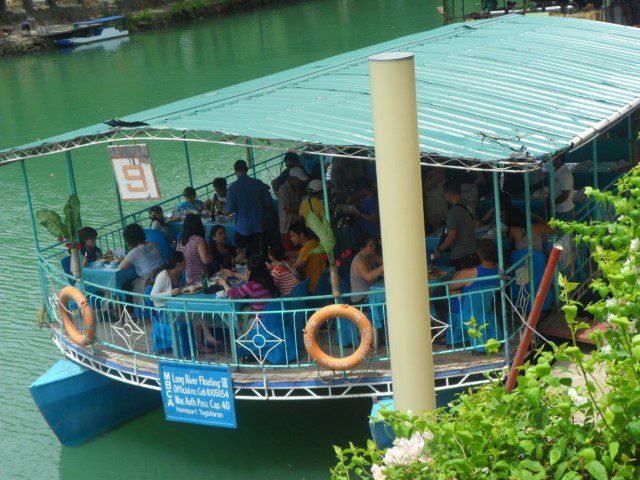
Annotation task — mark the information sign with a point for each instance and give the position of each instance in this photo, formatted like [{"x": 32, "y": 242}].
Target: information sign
[
  {"x": 134, "y": 172},
  {"x": 197, "y": 394}
]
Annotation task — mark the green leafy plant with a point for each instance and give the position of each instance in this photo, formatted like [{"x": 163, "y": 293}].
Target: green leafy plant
[
  {"x": 324, "y": 232},
  {"x": 63, "y": 230},
  {"x": 580, "y": 424}
]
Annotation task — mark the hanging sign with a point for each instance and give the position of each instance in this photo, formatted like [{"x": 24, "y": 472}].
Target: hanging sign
[
  {"x": 197, "y": 394},
  {"x": 134, "y": 172}
]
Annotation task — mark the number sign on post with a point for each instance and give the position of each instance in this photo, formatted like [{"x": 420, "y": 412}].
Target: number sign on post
[
  {"x": 197, "y": 394},
  {"x": 134, "y": 172}
]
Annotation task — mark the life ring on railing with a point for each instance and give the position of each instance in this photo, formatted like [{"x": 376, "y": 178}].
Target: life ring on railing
[
  {"x": 343, "y": 311},
  {"x": 72, "y": 293}
]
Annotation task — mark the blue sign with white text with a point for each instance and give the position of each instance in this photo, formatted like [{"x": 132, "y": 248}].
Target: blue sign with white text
[{"x": 197, "y": 394}]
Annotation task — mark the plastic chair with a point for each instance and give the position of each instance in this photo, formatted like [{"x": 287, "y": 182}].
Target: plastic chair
[
  {"x": 161, "y": 334},
  {"x": 299, "y": 318},
  {"x": 157, "y": 237},
  {"x": 539, "y": 264},
  {"x": 349, "y": 333},
  {"x": 478, "y": 301},
  {"x": 271, "y": 339}
]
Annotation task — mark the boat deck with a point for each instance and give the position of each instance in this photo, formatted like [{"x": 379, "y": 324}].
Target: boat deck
[{"x": 447, "y": 366}]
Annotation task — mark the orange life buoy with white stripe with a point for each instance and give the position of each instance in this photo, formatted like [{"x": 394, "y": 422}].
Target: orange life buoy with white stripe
[
  {"x": 72, "y": 293},
  {"x": 342, "y": 311}
]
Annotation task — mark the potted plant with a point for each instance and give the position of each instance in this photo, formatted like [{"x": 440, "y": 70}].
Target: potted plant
[{"x": 67, "y": 230}]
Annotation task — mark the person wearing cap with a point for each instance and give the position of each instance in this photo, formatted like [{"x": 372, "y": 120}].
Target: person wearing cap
[
  {"x": 293, "y": 170},
  {"x": 369, "y": 216},
  {"x": 312, "y": 201},
  {"x": 249, "y": 199}
]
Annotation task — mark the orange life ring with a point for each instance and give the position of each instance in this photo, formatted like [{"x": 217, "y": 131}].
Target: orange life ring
[
  {"x": 77, "y": 296},
  {"x": 343, "y": 311}
]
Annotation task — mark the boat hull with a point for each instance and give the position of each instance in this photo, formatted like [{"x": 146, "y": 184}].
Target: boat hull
[
  {"x": 107, "y": 34},
  {"x": 80, "y": 404}
]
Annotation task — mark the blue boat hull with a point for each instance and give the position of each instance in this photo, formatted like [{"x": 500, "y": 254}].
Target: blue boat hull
[{"x": 80, "y": 404}]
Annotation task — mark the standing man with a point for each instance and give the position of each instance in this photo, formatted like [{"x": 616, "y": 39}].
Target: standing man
[
  {"x": 460, "y": 233},
  {"x": 563, "y": 184},
  {"x": 249, "y": 199}
]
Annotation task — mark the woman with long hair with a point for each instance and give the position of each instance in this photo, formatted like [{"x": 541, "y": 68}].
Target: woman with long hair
[
  {"x": 220, "y": 252},
  {"x": 158, "y": 221},
  {"x": 259, "y": 284},
  {"x": 194, "y": 248},
  {"x": 169, "y": 280}
]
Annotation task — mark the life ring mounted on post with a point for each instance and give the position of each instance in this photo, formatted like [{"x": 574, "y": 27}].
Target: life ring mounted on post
[
  {"x": 342, "y": 311},
  {"x": 72, "y": 293}
]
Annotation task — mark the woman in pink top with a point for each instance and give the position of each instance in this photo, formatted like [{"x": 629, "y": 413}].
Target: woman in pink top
[
  {"x": 259, "y": 285},
  {"x": 194, "y": 248}
]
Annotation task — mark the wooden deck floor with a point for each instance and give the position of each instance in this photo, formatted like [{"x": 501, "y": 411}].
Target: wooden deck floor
[{"x": 444, "y": 363}]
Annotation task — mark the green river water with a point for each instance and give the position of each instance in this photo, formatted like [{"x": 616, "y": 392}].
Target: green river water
[{"x": 49, "y": 94}]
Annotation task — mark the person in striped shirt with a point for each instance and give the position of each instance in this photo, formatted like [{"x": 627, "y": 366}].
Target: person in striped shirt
[
  {"x": 283, "y": 270},
  {"x": 259, "y": 286}
]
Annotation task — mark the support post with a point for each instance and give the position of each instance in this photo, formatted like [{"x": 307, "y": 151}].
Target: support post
[
  {"x": 496, "y": 195},
  {"x": 187, "y": 159},
  {"x": 527, "y": 201},
  {"x": 70, "y": 174},
  {"x": 119, "y": 203},
  {"x": 552, "y": 192},
  {"x": 594, "y": 154},
  {"x": 630, "y": 136},
  {"x": 27, "y": 191},
  {"x": 250, "y": 157},
  {"x": 395, "y": 124}
]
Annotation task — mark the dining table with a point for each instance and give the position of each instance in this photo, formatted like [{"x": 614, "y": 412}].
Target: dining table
[{"x": 108, "y": 275}]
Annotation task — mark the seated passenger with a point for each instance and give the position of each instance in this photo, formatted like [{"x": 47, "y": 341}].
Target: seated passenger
[
  {"x": 168, "y": 282},
  {"x": 471, "y": 278},
  {"x": 308, "y": 265},
  {"x": 190, "y": 201},
  {"x": 366, "y": 268},
  {"x": 312, "y": 200},
  {"x": 220, "y": 251},
  {"x": 283, "y": 270},
  {"x": 369, "y": 220},
  {"x": 218, "y": 203},
  {"x": 460, "y": 233},
  {"x": 435, "y": 205},
  {"x": 145, "y": 257},
  {"x": 259, "y": 283},
  {"x": 194, "y": 248},
  {"x": 158, "y": 221},
  {"x": 89, "y": 251}
]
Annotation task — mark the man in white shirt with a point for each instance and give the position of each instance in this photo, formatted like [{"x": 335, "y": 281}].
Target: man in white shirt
[{"x": 563, "y": 184}]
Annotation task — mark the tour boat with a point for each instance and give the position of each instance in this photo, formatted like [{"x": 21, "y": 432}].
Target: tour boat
[
  {"x": 504, "y": 96},
  {"x": 90, "y": 31}
]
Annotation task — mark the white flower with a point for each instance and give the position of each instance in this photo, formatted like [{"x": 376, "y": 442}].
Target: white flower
[
  {"x": 405, "y": 451},
  {"x": 577, "y": 400},
  {"x": 635, "y": 245},
  {"x": 427, "y": 435},
  {"x": 606, "y": 349},
  {"x": 378, "y": 472}
]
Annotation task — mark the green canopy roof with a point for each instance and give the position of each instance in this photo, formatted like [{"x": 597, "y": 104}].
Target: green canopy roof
[{"x": 486, "y": 90}]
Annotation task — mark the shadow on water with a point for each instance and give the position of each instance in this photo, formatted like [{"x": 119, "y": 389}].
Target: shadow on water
[{"x": 274, "y": 440}]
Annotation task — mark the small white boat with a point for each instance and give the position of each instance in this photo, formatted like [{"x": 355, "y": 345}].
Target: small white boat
[{"x": 91, "y": 31}]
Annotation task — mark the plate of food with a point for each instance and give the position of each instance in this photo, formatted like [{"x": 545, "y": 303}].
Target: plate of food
[
  {"x": 109, "y": 257},
  {"x": 436, "y": 274},
  {"x": 191, "y": 289}
]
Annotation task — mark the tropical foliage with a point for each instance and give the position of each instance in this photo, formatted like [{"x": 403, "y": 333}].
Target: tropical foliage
[
  {"x": 324, "y": 232},
  {"x": 550, "y": 426},
  {"x": 62, "y": 230}
]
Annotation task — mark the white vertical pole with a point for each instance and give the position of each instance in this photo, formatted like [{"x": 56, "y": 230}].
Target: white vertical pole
[{"x": 395, "y": 123}]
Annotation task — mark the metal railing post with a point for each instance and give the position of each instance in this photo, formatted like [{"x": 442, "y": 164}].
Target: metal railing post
[
  {"x": 496, "y": 195},
  {"x": 72, "y": 178},
  {"x": 187, "y": 159},
  {"x": 527, "y": 201}
]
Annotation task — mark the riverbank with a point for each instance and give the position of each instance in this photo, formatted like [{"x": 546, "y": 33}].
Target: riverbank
[{"x": 139, "y": 16}]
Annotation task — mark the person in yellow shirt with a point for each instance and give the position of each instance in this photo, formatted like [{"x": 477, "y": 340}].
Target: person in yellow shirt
[
  {"x": 312, "y": 200},
  {"x": 309, "y": 265}
]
